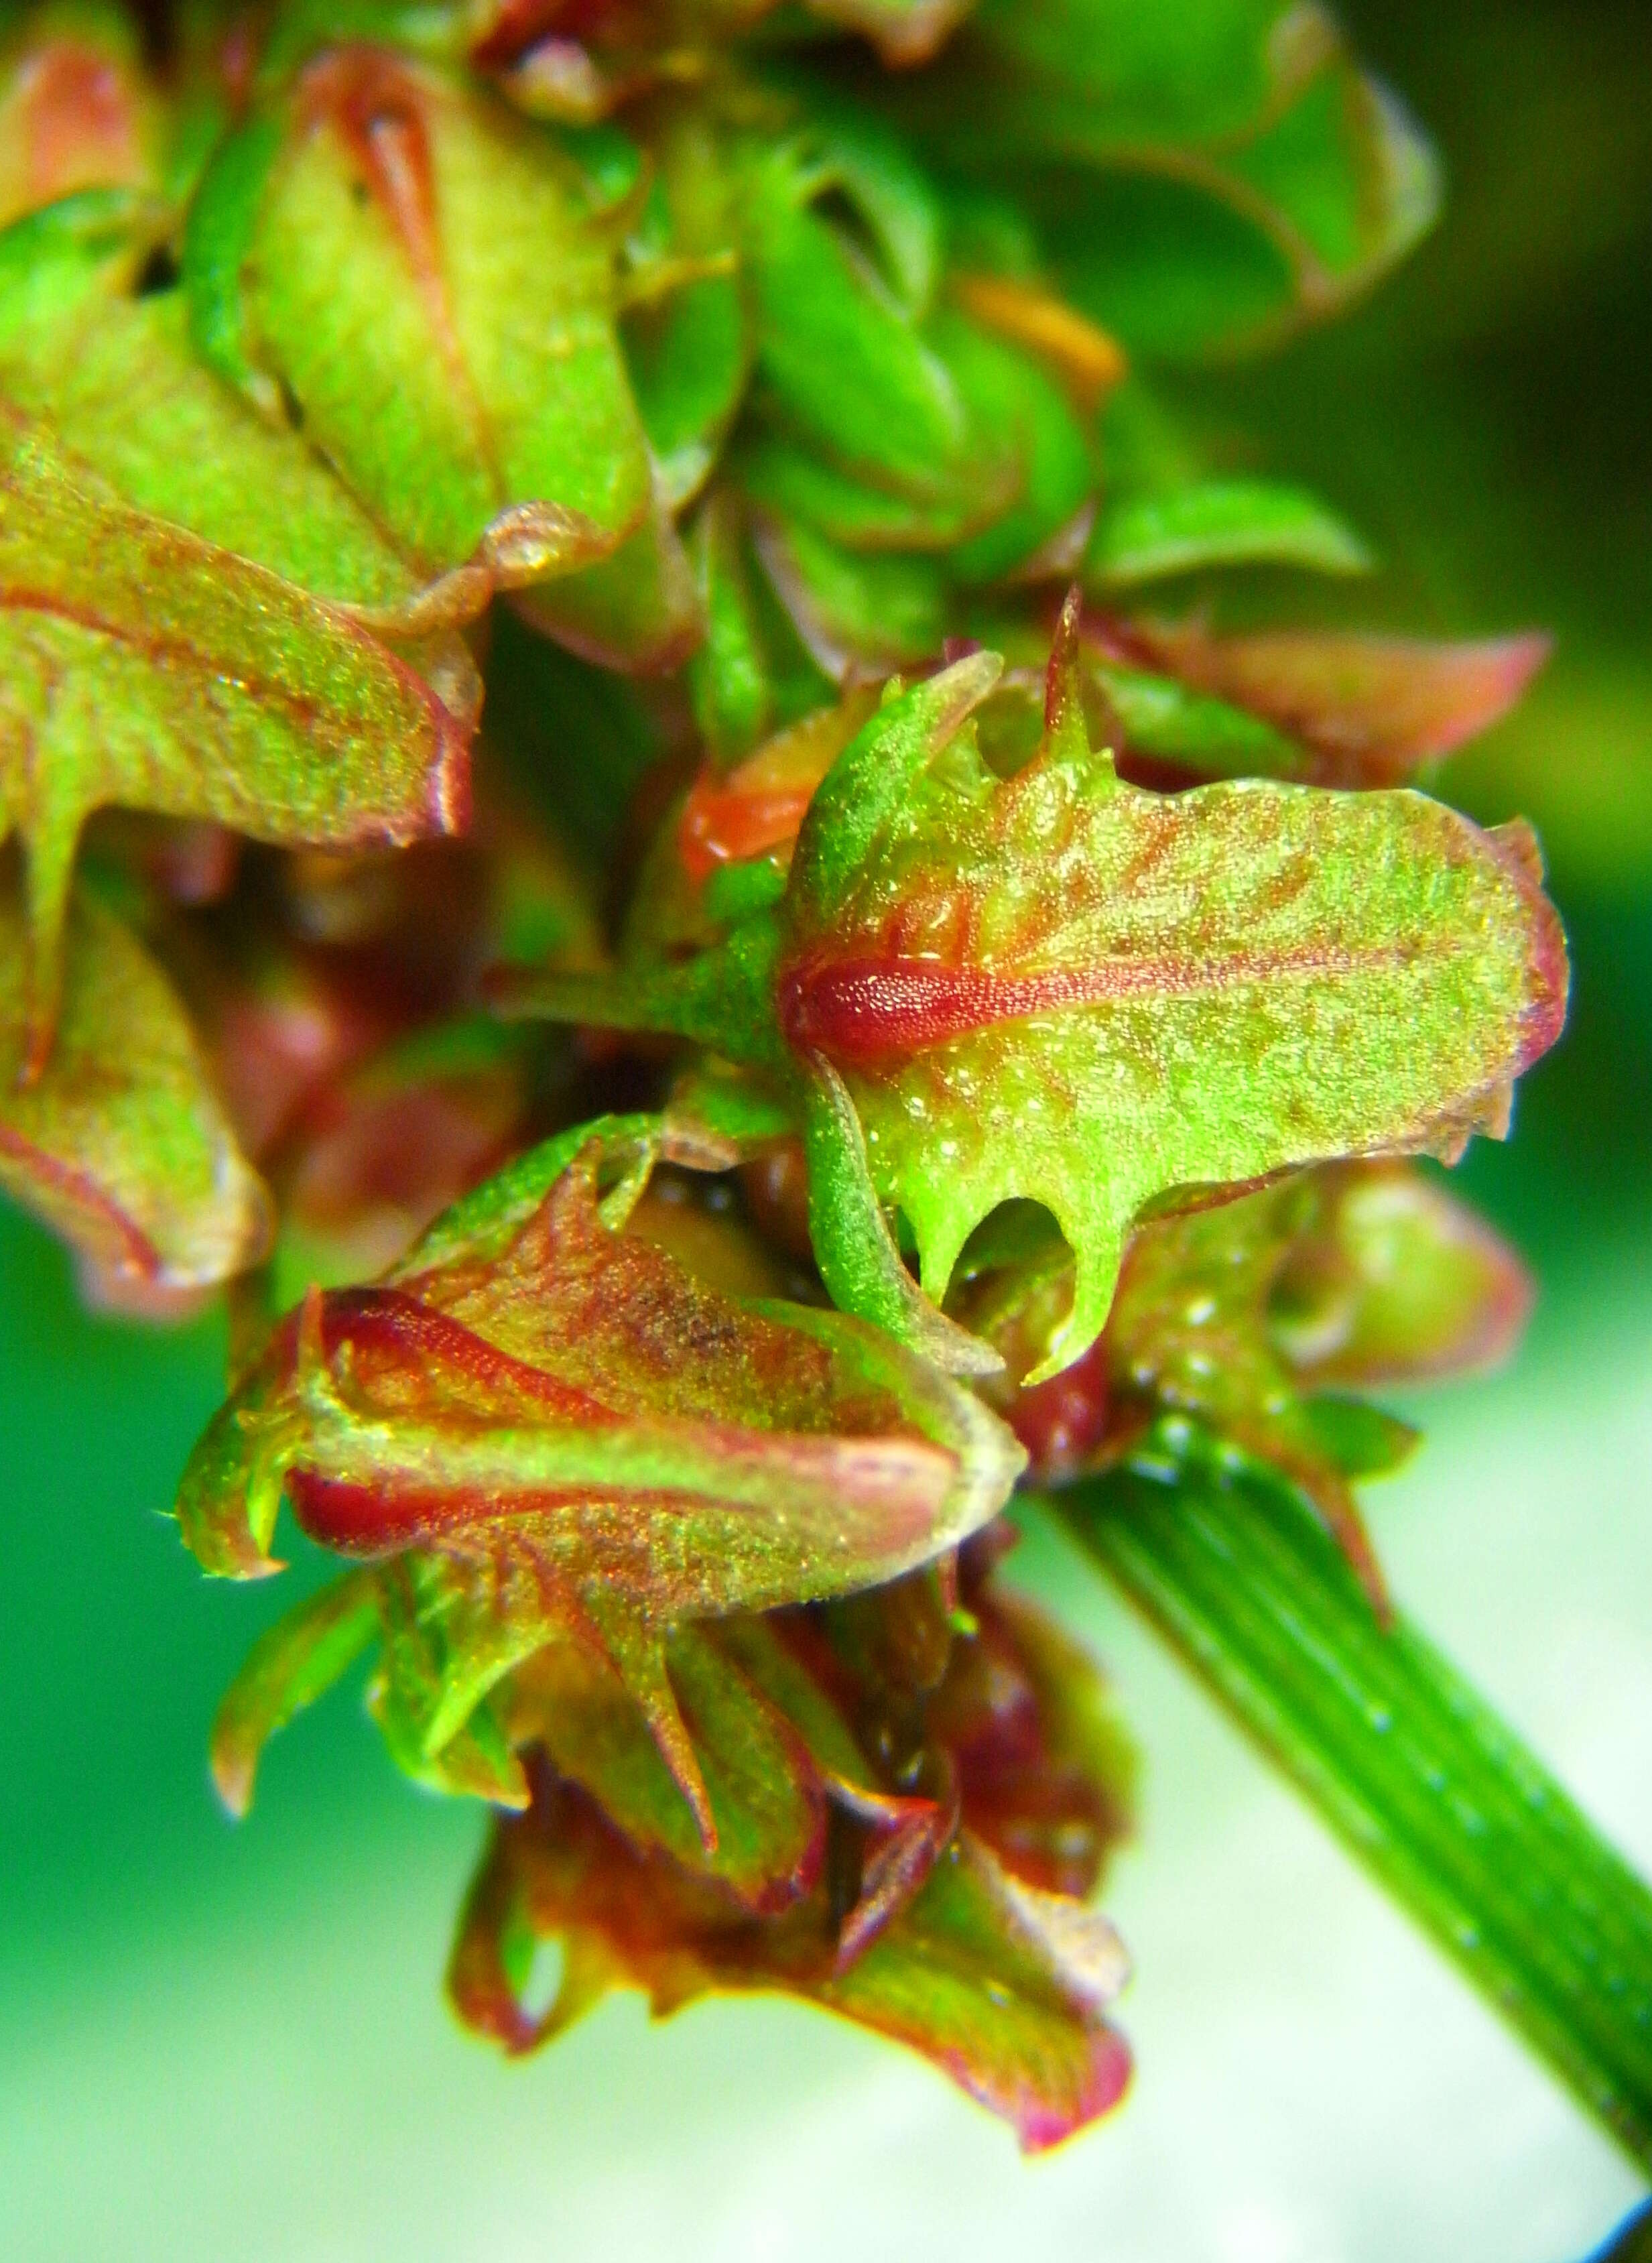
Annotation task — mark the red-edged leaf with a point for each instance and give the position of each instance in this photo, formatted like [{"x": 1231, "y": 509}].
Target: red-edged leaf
[{"x": 1370, "y": 708}]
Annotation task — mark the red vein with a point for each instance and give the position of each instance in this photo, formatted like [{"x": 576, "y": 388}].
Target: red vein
[{"x": 864, "y": 1010}]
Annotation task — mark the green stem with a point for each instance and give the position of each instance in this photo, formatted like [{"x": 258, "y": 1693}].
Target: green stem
[{"x": 1410, "y": 1769}]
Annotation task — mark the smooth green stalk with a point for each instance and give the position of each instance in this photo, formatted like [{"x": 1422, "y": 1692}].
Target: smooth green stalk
[{"x": 1418, "y": 1777}]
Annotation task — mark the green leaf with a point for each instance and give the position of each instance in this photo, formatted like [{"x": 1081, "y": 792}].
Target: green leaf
[
  {"x": 121, "y": 1146},
  {"x": 1061, "y": 989},
  {"x": 114, "y": 372},
  {"x": 875, "y": 611},
  {"x": 427, "y": 280},
  {"x": 1200, "y": 178},
  {"x": 884, "y": 422},
  {"x": 685, "y": 329},
  {"x": 1410, "y": 1769},
  {"x": 754, "y": 673},
  {"x": 143, "y": 666},
  {"x": 1219, "y": 522},
  {"x": 840, "y": 355},
  {"x": 1166, "y": 722},
  {"x": 429, "y": 1694}
]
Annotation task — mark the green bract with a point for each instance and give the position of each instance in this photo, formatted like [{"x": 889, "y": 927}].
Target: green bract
[
  {"x": 513, "y": 1399},
  {"x": 1058, "y": 988}
]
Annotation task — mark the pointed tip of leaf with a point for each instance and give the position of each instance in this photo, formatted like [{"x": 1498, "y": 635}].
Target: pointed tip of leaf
[{"x": 636, "y": 1652}]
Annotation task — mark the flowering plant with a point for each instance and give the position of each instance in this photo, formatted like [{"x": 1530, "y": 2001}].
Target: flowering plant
[{"x": 636, "y": 824}]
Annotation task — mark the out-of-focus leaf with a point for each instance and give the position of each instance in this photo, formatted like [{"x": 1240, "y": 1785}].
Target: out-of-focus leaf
[
  {"x": 143, "y": 666},
  {"x": 854, "y": 614},
  {"x": 1370, "y": 708},
  {"x": 525, "y": 1402},
  {"x": 541, "y": 701},
  {"x": 904, "y": 32},
  {"x": 1199, "y": 177},
  {"x": 1247, "y": 1317},
  {"x": 121, "y": 1146},
  {"x": 1088, "y": 361},
  {"x": 340, "y": 1028},
  {"x": 887, "y": 420},
  {"x": 381, "y": 1153},
  {"x": 298, "y": 1660},
  {"x": 838, "y": 311},
  {"x": 75, "y": 112},
  {"x": 685, "y": 326},
  {"x": 1002, "y": 1986},
  {"x": 1219, "y": 522},
  {"x": 1395, "y": 1283},
  {"x": 754, "y": 673},
  {"x": 638, "y": 611}
]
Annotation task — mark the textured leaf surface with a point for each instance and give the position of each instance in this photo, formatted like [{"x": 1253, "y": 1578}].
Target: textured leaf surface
[
  {"x": 122, "y": 1145},
  {"x": 1059, "y": 988},
  {"x": 140, "y": 665},
  {"x": 1062, "y": 989},
  {"x": 561, "y": 1405}
]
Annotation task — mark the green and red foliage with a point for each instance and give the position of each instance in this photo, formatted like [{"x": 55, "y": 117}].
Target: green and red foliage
[{"x": 897, "y": 994}]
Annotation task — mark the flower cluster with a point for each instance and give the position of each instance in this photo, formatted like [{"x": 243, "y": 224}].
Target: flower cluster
[{"x": 614, "y": 819}]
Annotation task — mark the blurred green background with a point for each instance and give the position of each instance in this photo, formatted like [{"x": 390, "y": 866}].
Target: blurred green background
[{"x": 217, "y": 2042}]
